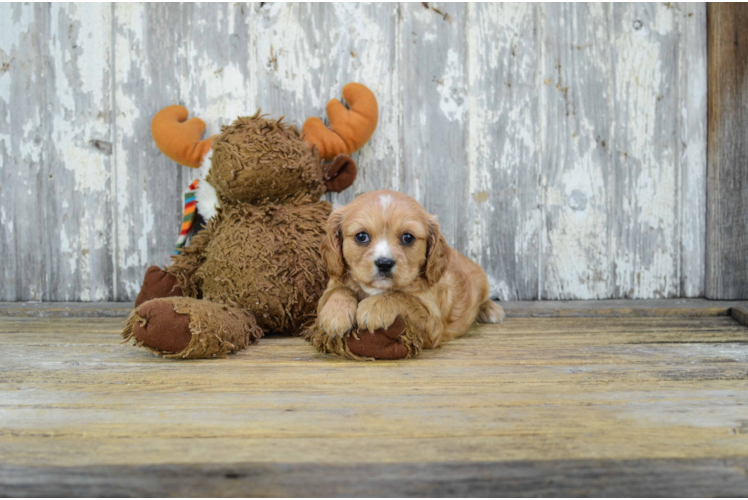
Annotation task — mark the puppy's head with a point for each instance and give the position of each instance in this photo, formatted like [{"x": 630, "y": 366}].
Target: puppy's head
[{"x": 384, "y": 240}]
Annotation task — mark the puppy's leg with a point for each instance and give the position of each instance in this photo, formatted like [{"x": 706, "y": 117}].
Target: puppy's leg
[
  {"x": 380, "y": 311},
  {"x": 336, "y": 322},
  {"x": 337, "y": 311},
  {"x": 490, "y": 312}
]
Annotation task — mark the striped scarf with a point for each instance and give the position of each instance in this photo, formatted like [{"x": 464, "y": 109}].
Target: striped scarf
[{"x": 188, "y": 219}]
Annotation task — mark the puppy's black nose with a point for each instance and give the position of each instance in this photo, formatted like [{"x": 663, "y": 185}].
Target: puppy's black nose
[{"x": 384, "y": 265}]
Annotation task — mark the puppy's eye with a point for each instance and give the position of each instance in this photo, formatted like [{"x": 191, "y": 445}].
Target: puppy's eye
[
  {"x": 407, "y": 239},
  {"x": 362, "y": 238}
]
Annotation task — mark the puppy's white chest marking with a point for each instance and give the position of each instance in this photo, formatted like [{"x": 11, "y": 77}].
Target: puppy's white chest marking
[{"x": 382, "y": 250}]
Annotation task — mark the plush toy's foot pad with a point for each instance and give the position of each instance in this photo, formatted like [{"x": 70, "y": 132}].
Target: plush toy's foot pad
[
  {"x": 183, "y": 327},
  {"x": 380, "y": 344},
  {"x": 161, "y": 327},
  {"x": 399, "y": 341},
  {"x": 157, "y": 284}
]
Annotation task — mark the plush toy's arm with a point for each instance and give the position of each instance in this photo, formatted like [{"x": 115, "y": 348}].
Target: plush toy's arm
[
  {"x": 381, "y": 311},
  {"x": 188, "y": 261}
]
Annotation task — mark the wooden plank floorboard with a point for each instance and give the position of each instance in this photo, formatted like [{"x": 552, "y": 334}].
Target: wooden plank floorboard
[
  {"x": 599, "y": 405},
  {"x": 551, "y": 478}
]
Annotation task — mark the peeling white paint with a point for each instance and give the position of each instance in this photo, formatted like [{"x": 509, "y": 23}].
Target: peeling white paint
[
  {"x": 451, "y": 89},
  {"x": 534, "y": 91},
  {"x": 284, "y": 42},
  {"x": 693, "y": 133},
  {"x": 139, "y": 257},
  {"x": 68, "y": 251},
  {"x": 7, "y": 223},
  {"x": 498, "y": 289}
]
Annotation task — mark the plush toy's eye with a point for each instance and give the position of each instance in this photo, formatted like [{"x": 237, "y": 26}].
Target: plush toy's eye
[
  {"x": 362, "y": 238},
  {"x": 407, "y": 239}
]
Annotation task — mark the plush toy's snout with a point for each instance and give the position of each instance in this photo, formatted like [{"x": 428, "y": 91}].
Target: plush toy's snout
[{"x": 340, "y": 174}]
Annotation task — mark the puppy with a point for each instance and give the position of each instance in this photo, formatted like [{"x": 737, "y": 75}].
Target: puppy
[{"x": 387, "y": 258}]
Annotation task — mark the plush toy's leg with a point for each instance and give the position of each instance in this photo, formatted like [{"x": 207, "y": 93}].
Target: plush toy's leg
[
  {"x": 400, "y": 340},
  {"x": 182, "y": 327},
  {"x": 157, "y": 284}
]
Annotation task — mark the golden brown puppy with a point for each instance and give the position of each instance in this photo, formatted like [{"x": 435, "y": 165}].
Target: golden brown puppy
[{"x": 386, "y": 258}]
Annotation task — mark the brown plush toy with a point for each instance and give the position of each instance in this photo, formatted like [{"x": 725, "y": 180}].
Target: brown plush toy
[{"x": 256, "y": 267}]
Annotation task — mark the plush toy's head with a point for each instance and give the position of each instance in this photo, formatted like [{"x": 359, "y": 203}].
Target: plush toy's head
[{"x": 256, "y": 159}]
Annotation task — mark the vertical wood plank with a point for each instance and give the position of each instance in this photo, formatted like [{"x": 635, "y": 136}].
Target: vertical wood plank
[
  {"x": 77, "y": 154},
  {"x": 692, "y": 110},
  {"x": 576, "y": 158},
  {"x": 645, "y": 185},
  {"x": 503, "y": 218},
  {"x": 433, "y": 68},
  {"x": 56, "y": 164},
  {"x": 727, "y": 184},
  {"x": 148, "y": 185},
  {"x": 22, "y": 138}
]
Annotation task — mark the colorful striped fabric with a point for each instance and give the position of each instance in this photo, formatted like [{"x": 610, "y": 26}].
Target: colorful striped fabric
[{"x": 190, "y": 207}]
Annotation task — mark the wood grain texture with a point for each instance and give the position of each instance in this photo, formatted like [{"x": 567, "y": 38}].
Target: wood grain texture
[
  {"x": 727, "y": 187},
  {"x": 644, "y": 151},
  {"x": 571, "y": 398},
  {"x": 544, "y": 478},
  {"x": 56, "y": 152},
  {"x": 562, "y": 146},
  {"x": 576, "y": 166},
  {"x": 434, "y": 84},
  {"x": 692, "y": 81},
  {"x": 740, "y": 314},
  {"x": 598, "y": 385},
  {"x": 21, "y": 153},
  {"x": 504, "y": 217}
]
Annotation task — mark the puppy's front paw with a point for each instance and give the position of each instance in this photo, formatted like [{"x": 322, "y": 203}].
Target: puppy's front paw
[
  {"x": 376, "y": 312},
  {"x": 338, "y": 316}
]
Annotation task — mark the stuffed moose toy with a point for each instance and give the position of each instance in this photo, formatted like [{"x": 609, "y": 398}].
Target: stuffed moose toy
[{"x": 256, "y": 267}]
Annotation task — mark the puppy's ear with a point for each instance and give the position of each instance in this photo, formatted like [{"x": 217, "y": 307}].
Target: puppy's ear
[
  {"x": 437, "y": 253},
  {"x": 332, "y": 245}
]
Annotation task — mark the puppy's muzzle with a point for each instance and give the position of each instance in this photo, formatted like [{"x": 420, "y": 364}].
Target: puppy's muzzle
[{"x": 384, "y": 265}]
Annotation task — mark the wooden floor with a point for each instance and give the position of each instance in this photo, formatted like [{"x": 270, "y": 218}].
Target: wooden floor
[{"x": 635, "y": 403}]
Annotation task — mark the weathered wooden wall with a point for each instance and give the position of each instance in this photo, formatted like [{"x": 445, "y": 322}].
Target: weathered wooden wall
[{"x": 561, "y": 145}]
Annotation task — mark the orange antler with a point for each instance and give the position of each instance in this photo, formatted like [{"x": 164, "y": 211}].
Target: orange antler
[
  {"x": 349, "y": 128},
  {"x": 179, "y": 139}
]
